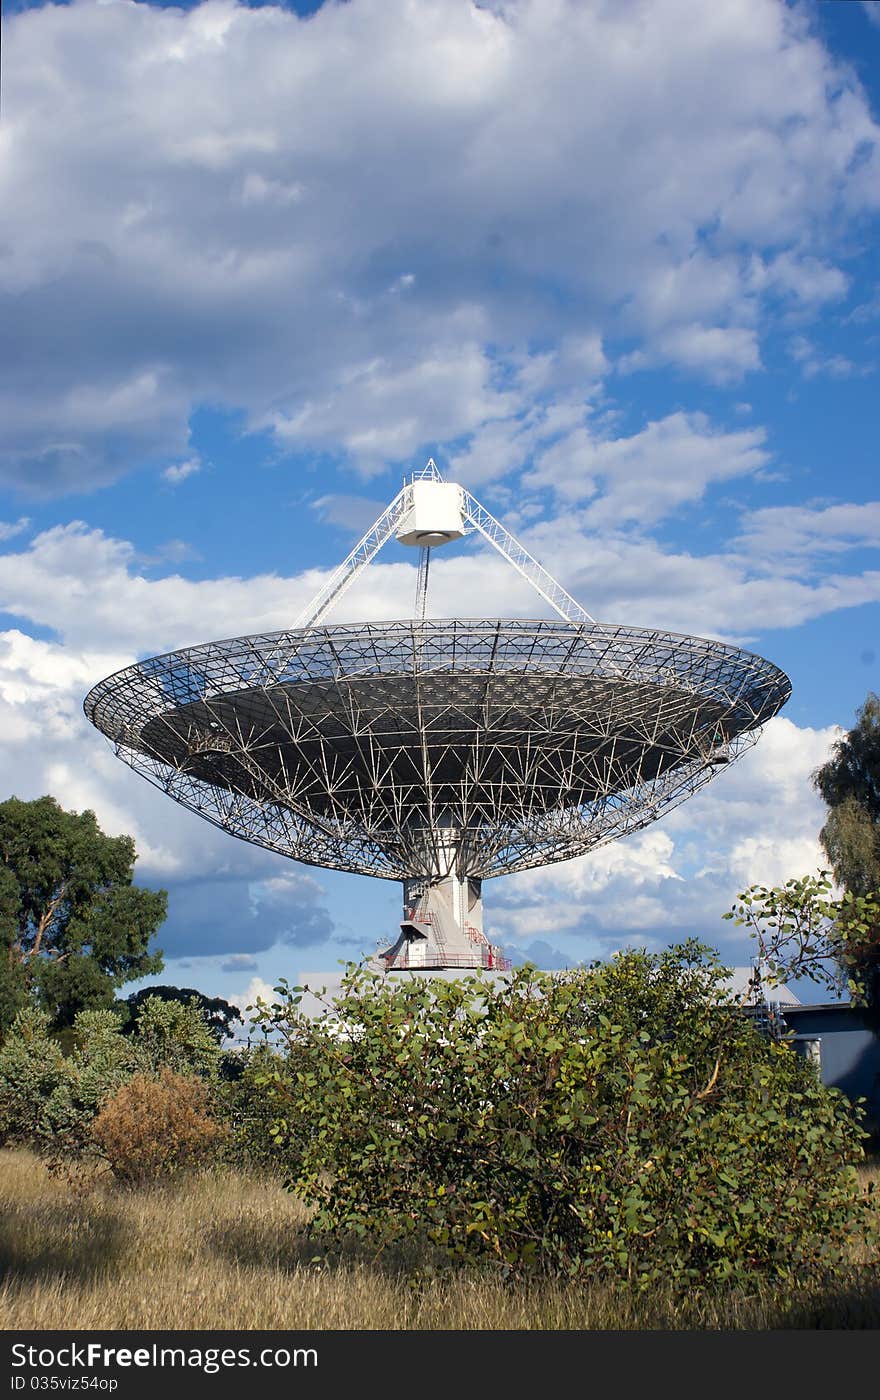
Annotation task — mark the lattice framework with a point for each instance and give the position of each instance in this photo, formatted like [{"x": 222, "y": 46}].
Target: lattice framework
[{"x": 392, "y": 749}]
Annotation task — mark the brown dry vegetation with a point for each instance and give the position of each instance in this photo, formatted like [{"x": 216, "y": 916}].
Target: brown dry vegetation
[{"x": 229, "y": 1251}]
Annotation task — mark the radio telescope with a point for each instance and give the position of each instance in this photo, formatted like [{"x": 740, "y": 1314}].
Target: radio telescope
[{"x": 438, "y": 753}]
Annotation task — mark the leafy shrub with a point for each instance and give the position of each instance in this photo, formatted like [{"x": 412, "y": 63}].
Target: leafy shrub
[
  {"x": 101, "y": 1060},
  {"x": 249, "y": 1101},
  {"x": 34, "y": 1073},
  {"x": 176, "y": 1036},
  {"x": 47, "y": 1098},
  {"x": 153, "y": 1127},
  {"x": 621, "y": 1122}
]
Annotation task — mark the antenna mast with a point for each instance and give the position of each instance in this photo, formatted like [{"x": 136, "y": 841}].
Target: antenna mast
[{"x": 428, "y": 512}]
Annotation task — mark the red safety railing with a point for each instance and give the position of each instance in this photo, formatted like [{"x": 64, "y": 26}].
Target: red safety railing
[{"x": 488, "y": 959}]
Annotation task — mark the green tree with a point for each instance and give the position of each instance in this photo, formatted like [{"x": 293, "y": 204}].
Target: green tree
[
  {"x": 625, "y": 1121},
  {"x": 75, "y": 926},
  {"x": 219, "y": 1015},
  {"x": 803, "y": 929},
  {"x": 48, "y": 1100},
  {"x": 849, "y": 783},
  {"x": 13, "y": 981},
  {"x": 34, "y": 1075},
  {"x": 176, "y": 1035}
]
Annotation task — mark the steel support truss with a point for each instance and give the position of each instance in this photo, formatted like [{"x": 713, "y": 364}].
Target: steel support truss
[{"x": 477, "y": 518}]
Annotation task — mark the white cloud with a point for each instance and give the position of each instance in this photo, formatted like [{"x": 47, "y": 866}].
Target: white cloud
[
  {"x": 385, "y": 408},
  {"x": 647, "y": 476},
  {"x": 722, "y": 353},
  {"x": 257, "y": 990},
  {"x": 239, "y": 962},
  {"x": 10, "y": 528},
  {"x": 258, "y": 190},
  {"x": 179, "y": 471},
  {"x": 813, "y": 361},
  {"x": 732, "y": 593},
  {"x": 809, "y": 532},
  {"x": 87, "y": 586},
  {"x": 807, "y": 279},
  {"x": 367, "y": 261}
]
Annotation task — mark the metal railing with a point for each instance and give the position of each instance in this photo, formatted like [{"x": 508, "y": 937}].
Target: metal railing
[{"x": 488, "y": 961}]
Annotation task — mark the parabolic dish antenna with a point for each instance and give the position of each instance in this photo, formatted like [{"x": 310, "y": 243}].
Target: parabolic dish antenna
[{"x": 438, "y": 753}]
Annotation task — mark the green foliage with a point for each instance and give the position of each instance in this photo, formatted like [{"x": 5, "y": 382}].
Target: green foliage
[
  {"x": 851, "y": 840},
  {"x": 252, "y": 1096},
  {"x": 13, "y": 980},
  {"x": 33, "y": 1073},
  {"x": 75, "y": 925},
  {"x": 49, "y": 1099},
  {"x": 850, "y": 785},
  {"x": 803, "y": 930},
  {"x": 172, "y": 1035},
  {"x": 219, "y": 1014},
  {"x": 621, "y": 1122},
  {"x": 853, "y": 770}
]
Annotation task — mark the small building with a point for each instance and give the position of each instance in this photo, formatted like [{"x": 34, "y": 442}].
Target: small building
[{"x": 842, "y": 1041}]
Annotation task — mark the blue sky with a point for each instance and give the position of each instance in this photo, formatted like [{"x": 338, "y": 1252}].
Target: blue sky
[{"x": 614, "y": 267}]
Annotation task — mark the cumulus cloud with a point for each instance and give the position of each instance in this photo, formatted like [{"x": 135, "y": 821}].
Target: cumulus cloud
[
  {"x": 391, "y": 266},
  {"x": 234, "y": 914},
  {"x": 541, "y": 954},
  {"x": 239, "y": 962},
  {"x": 808, "y": 532},
  {"x": 388, "y": 407},
  {"x": 257, "y": 990},
  {"x": 813, "y": 361},
  {"x": 648, "y": 475},
  {"x": 86, "y": 585},
  {"x": 804, "y": 279},
  {"x": 722, "y": 353}
]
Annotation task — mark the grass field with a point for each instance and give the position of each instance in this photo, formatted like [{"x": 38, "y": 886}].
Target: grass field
[{"x": 229, "y": 1251}]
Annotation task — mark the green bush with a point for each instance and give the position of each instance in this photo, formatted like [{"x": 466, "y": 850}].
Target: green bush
[
  {"x": 49, "y": 1098},
  {"x": 34, "y": 1075},
  {"x": 621, "y": 1122},
  {"x": 176, "y": 1036},
  {"x": 250, "y": 1099}
]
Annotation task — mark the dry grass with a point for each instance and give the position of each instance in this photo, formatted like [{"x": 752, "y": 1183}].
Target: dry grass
[{"x": 230, "y": 1252}]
